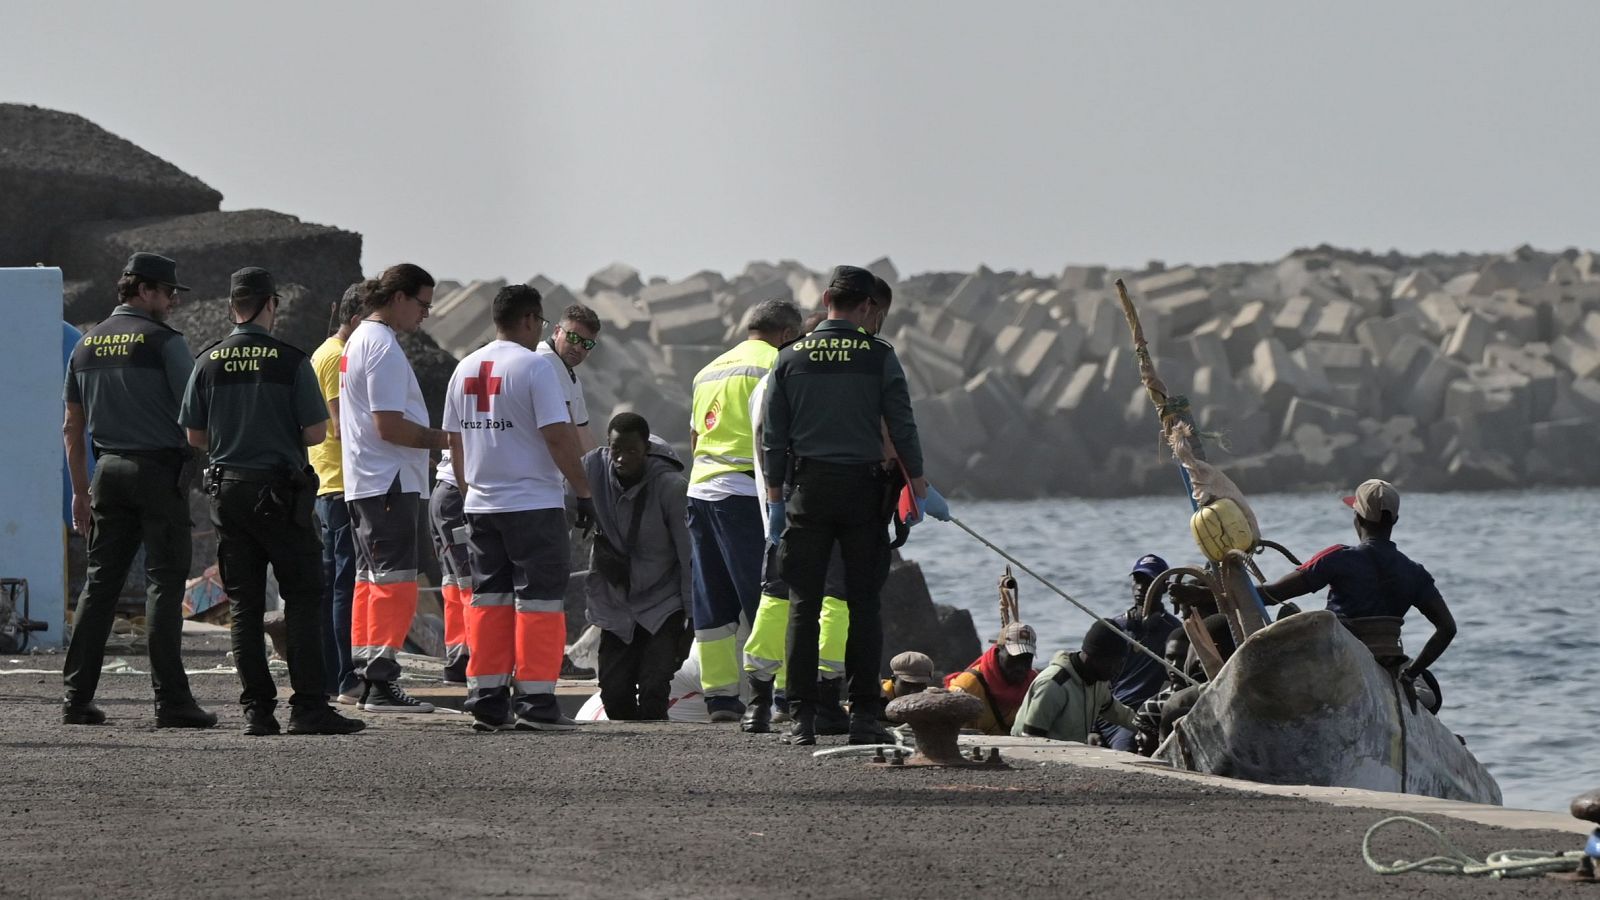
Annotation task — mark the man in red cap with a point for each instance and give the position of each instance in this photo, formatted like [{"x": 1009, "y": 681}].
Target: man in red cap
[{"x": 1372, "y": 585}]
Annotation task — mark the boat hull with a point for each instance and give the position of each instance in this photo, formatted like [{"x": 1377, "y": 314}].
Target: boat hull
[{"x": 1302, "y": 701}]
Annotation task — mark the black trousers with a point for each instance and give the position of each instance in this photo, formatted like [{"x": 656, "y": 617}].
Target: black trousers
[
  {"x": 250, "y": 536},
  {"x": 636, "y": 675},
  {"x": 135, "y": 499},
  {"x": 835, "y": 506}
]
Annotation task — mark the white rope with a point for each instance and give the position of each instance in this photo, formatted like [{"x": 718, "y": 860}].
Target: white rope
[
  {"x": 1455, "y": 861},
  {"x": 1068, "y": 597}
]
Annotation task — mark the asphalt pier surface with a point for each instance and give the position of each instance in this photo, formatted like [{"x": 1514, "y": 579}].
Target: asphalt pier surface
[{"x": 420, "y": 806}]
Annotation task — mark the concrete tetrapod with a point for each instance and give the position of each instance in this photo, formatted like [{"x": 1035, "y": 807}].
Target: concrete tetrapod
[{"x": 936, "y": 716}]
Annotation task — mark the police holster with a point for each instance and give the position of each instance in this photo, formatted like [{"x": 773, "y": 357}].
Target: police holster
[{"x": 287, "y": 496}]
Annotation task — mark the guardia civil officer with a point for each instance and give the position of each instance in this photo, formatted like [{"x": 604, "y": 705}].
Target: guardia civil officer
[
  {"x": 254, "y": 406},
  {"x": 832, "y": 394},
  {"x": 123, "y": 386}
]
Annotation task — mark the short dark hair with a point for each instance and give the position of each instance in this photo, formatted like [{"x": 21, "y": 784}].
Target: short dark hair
[
  {"x": 882, "y": 293},
  {"x": 629, "y": 423},
  {"x": 1381, "y": 526},
  {"x": 347, "y": 307},
  {"x": 402, "y": 278},
  {"x": 514, "y": 302},
  {"x": 579, "y": 314},
  {"x": 249, "y": 305},
  {"x": 845, "y": 300},
  {"x": 775, "y": 316}
]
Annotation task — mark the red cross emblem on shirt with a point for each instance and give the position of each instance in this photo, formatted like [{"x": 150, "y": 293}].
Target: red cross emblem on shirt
[{"x": 483, "y": 385}]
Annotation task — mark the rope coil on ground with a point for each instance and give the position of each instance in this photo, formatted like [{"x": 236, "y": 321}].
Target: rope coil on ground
[{"x": 1455, "y": 861}]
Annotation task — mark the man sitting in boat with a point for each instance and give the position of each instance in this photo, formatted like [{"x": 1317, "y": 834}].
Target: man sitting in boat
[
  {"x": 1177, "y": 700},
  {"x": 1147, "y": 718},
  {"x": 1000, "y": 678},
  {"x": 1074, "y": 691},
  {"x": 1141, "y": 676},
  {"x": 1373, "y": 585}
]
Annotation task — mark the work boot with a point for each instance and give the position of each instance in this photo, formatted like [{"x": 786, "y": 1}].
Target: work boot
[
  {"x": 724, "y": 709},
  {"x": 81, "y": 714},
  {"x": 456, "y": 672},
  {"x": 804, "y": 731},
  {"x": 780, "y": 708},
  {"x": 865, "y": 729},
  {"x": 758, "y": 715},
  {"x": 322, "y": 720},
  {"x": 831, "y": 717},
  {"x": 184, "y": 715},
  {"x": 260, "y": 722}
]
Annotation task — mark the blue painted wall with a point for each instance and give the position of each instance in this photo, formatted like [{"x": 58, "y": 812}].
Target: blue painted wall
[{"x": 32, "y": 534}]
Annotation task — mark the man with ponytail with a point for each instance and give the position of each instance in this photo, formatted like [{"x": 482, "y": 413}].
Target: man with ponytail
[{"x": 385, "y": 444}]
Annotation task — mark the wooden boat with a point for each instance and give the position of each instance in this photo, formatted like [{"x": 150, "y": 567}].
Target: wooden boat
[{"x": 1302, "y": 701}]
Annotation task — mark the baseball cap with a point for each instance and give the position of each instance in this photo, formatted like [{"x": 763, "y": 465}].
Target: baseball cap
[
  {"x": 854, "y": 280},
  {"x": 155, "y": 267},
  {"x": 1150, "y": 564},
  {"x": 912, "y": 666},
  {"x": 1018, "y": 638},
  {"x": 252, "y": 282},
  {"x": 1374, "y": 498}
]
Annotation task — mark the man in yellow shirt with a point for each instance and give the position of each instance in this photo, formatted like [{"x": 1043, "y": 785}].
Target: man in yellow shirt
[{"x": 338, "y": 545}]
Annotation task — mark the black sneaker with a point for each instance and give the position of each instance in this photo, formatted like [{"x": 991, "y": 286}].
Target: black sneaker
[
  {"x": 82, "y": 714},
  {"x": 387, "y": 697},
  {"x": 188, "y": 715},
  {"x": 488, "y": 723},
  {"x": 322, "y": 720},
  {"x": 260, "y": 722},
  {"x": 559, "y": 723}
]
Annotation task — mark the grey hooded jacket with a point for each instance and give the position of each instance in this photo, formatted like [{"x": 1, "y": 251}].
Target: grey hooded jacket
[{"x": 660, "y": 553}]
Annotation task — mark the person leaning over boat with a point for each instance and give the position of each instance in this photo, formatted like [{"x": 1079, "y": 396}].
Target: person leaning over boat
[
  {"x": 1074, "y": 691},
  {"x": 1000, "y": 678},
  {"x": 1141, "y": 677},
  {"x": 833, "y": 394},
  {"x": 1372, "y": 585},
  {"x": 253, "y": 405}
]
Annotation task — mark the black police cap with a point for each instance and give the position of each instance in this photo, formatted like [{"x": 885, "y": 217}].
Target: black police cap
[
  {"x": 155, "y": 267},
  {"x": 252, "y": 282}
]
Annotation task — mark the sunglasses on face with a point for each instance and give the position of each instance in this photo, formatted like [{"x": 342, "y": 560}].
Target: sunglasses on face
[{"x": 575, "y": 338}]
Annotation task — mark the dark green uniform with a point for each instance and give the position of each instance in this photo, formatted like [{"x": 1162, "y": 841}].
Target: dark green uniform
[
  {"x": 128, "y": 374},
  {"x": 831, "y": 394},
  {"x": 253, "y": 394}
]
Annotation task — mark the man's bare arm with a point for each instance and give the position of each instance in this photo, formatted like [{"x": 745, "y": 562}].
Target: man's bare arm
[
  {"x": 395, "y": 428},
  {"x": 562, "y": 439}
]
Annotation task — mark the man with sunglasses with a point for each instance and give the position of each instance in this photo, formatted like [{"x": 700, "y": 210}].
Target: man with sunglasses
[
  {"x": 123, "y": 385},
  {"x": 575, "y": 336}
]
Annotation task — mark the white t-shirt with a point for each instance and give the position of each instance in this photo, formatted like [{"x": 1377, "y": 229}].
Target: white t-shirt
[
  {"x": 499, "y": 398},
  {"x": 758, "y": 409},
  {"x": 374, "y": 376},
  {"x": 571, "y": 385},
  {"x": 445, "y": 471}
]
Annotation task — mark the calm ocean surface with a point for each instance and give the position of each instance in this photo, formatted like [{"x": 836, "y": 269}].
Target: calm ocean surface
[{"x": 1520, "y": 571}]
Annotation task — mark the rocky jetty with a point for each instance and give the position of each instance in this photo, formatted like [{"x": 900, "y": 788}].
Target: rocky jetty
[{"x": 1323, "y": 368}]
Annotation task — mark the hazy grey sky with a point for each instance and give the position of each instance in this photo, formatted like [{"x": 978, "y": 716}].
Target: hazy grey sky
[{"x": 490, "y": 139}]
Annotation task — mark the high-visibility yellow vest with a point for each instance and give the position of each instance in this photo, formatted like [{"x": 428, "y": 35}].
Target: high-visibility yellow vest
[{"x": 721, "y": 414}]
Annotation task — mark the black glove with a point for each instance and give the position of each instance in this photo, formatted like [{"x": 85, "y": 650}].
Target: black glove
[{"x": 584, "y": 520}]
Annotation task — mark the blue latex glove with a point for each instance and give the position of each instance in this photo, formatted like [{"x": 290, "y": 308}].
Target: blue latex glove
[
  {"x": 935, "y": 505},
  {"x": 776, "y": 519}
]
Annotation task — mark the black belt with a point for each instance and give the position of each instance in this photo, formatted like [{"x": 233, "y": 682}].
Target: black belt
[
  {"x": 234, "y": 473},
  {"x": 824, "y": 467},
  {"x": 172, "y": 455}
]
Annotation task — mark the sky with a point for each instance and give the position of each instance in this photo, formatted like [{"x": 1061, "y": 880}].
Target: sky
[{"x": 506, "y": 139}]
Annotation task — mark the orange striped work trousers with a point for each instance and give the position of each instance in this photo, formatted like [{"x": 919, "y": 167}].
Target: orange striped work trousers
[
  {"x": 516, "y": 623},
  {"x": 448, "y": 525},
  {"x": 385, "y": 533}
]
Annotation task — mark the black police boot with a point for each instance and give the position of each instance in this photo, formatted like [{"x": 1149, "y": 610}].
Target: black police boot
[
  {"x": 260, "y": 722},
  {"x": 184, "y": 715},
  {"x": 803, "y": 733},
  {"x": 758, "y": 715},
  {"x": 831, "y": 717},
  {"x": 865, "y": 728},
  {"x": 81, "y": 714},
  {"x": 322, "y": 720}
]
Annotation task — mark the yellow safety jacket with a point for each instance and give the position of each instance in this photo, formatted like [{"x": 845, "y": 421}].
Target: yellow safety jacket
[{"x": 721, "y": 415}]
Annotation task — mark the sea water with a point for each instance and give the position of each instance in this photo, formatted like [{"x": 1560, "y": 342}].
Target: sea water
[{"x": 1520, "y": 571}]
